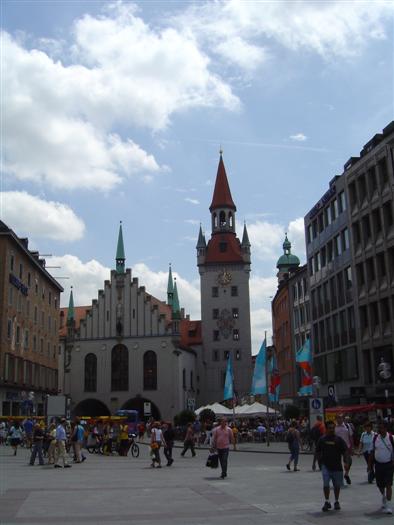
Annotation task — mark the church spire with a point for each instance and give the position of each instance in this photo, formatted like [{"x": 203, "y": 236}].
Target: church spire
[
  {"x": 245, "y": 238},
  {"x": 176, "y": 309},
  {"x": 201, "y": 243},
  {"x": 221, "y": 194},
  {"x": 120, "y": 256},
  {"x": 170, "y": 288},
  {"x": 70, "y": 311}
]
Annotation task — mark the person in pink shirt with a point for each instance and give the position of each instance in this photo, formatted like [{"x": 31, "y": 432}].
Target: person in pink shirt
[
  {"x": 222, "y": 438},
  {"x": 345, "y": 431}
]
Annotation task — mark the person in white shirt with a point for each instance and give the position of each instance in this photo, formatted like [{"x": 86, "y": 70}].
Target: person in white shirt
[
  {"x": 382, "y": 456},
  {"x": 61, "y": 438},
  {"x": 366, "y": 446},
  {"x": 345, "y": 431},
  {"x": 156, "y": 441}
]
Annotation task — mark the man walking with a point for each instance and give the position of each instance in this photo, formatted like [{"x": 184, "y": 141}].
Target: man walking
[
  {"x": 38, "y": 438},
  {"x": 382, "y": 456},
  {"x": 61, "y": 438},
  {"x": 222, "y": 438},
  {"x": 330, "y": 450},
  {"x": 189, "y": 441},
  {"x": 345, "y": 431},
  {"x": 317, "y": 431}
]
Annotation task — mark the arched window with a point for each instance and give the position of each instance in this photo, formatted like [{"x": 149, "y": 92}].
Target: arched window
[
  {"x": 184, "y": 379},
  {"x": 230, "y": 219},
  {"x": 90, "y": 373},
  {"x": 150, "y": 370},
  {"x": 215, "y": 220},
  {"x": 119, "y": 368},
  {"x": 222, "y": 219}
]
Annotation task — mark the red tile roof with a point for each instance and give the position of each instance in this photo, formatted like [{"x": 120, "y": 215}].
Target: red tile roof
[
  {"x": 233, "y": 252},
  {"x": 79, "y": 314},
  {"x": 190, "y": 332},
  {"x": 222, "y": 195}
]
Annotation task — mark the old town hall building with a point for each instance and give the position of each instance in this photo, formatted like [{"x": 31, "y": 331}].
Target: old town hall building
[{"x": 130, "y": 350}]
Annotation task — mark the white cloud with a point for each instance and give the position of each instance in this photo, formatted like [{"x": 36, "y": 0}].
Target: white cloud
[
  {"x": 29, "y": 215},
  {"x": 296, "y": 234},
  {"x": 298, "y": 137},
  {"x": 329, "y": 29},
  {"x": 59, "y": 119},
  {"x": 261, "y": 322},
  {"x": 194, "y": 222},
  {"x": 192, "y": 201}
]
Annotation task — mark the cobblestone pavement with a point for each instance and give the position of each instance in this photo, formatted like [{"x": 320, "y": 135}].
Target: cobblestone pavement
[{"x": 115, "y": 490}]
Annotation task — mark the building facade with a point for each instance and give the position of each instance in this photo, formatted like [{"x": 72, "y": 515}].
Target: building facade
[
  {"x": 224, "y": 267},
  {"x": 130, "y": 349},
  {"x": 29, "y": 328},
  {"x": 349, "y": 237}
]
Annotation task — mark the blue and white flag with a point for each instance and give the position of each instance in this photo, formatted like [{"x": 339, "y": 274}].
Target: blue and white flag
[
  {"x": 229, "y": 381},
  {"x": 259, "y": 382}
]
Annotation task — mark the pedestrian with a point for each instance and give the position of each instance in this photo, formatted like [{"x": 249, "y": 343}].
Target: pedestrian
[
  {"x": 28, "y": 427},
  {"x": 330, "y": 451},
  {"x": 293, "y": 441},
  {"x": 382, "y": 457},
  {"x": 317, "y": 431},
  {"x": 61, "y": 439},
  {"x": 366, "y": 447},
  {"x": 16, "y": 436},
  {"x": 169, "y": 437},
  {"x": 124, "y": 440},
  {"x": 52, "y": 444},
  {"x": 197, "y": 432},
  {"x": 222, "y": 438},
  {"x": 37, "y": 442},
  {"x": 189, "y": 441},
  {"x": 141, "y": 431},
  {"x": 156, "y": 441},
  {"x": 234, "y": 430},
  {"x": 77, "y": 440},
  {"x": 345, "y": 431}
]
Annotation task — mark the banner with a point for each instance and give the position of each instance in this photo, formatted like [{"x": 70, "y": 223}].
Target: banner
[
  {"x": 304, "y": 359},
  {"x": 274, "y": 384},
  {"x": 229, "y": 381},
  {"x": 259, "y": 382}
]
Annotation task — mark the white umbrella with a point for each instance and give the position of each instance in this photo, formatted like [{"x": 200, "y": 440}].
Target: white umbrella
[
  {"x": 199, "y": 410},
  {"x": 220, "y": 410},
  {"x": 255, "y": 409}
]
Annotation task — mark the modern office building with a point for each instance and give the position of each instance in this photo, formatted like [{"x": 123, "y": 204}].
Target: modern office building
[
  {"x": 29, "y": 327},
  {"x": 350, "y": 239}
]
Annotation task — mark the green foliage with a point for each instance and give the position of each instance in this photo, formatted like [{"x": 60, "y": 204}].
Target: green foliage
[
  {"x": 207, "y": 415},
  {"x": 184, "y": 417},
  {"x": 292, "y": 412}
]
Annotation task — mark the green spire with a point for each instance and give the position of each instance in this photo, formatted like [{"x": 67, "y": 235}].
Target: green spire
[
  {"x": 120, "y": 256},
  {"x": 245, "y": 237},
  {"x": 201, "y": 243},
  {"x": 70, "y": 311},
  {"x": 170, "y": 288},
  {"x": 176, "y": 310}
]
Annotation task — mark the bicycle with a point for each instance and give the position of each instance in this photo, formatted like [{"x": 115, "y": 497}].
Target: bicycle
[{"x": 134, "y": 448}]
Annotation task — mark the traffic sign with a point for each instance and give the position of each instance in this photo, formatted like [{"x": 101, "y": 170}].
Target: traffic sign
[{"x": 315, "y": 409}]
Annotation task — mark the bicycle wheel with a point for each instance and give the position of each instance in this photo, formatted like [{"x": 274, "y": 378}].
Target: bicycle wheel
[{"x": 135, "y": 450}]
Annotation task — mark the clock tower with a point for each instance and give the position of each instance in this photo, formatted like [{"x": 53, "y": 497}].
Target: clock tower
[{"x": 224, "y": 267}]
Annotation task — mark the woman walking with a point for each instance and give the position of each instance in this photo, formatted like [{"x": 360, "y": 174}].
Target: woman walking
[
  {"x": 169, "y": 437},
  {"x": 366, "y": 448},
  {"x": 293, "y": 440},
  {"x": 16, "y": 435},
  {"x": 156, "y": 441}
]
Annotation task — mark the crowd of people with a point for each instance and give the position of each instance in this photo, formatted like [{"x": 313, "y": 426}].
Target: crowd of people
[{"x": 333, "y": 443}]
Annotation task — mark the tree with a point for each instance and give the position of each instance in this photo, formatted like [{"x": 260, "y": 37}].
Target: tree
[
  {"x": 207, "y": 416},
  {"x": 184, "y": 417}
]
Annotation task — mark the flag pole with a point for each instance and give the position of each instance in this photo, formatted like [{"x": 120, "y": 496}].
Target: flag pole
[{"x": 266, "y": 382}]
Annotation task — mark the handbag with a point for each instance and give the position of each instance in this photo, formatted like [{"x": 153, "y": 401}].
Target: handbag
[{"x": 213, "y": 460}]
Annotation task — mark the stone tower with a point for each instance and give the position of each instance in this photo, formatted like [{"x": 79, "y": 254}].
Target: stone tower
[
  {"x": 287, "y": 263},
  {"x": 224, "y": 267}
]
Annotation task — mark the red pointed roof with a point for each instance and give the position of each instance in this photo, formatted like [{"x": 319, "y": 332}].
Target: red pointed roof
[{"x": 222, "y": 194}]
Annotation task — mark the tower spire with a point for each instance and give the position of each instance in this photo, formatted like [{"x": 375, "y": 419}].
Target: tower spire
[
  {"x": 70, "y": 311},
  {"x": 170, "y": 288},
  {"x": 245, "y": 238},
  {"x": 221, "y": 194},
  {"x": 120, "y": 256},
  {"x": 201, "y": 243},
  {"x": 176, "y": 309}
]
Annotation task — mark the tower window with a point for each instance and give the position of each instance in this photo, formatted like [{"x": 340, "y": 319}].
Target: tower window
[
  {"x": 234, "y": 291},
  {"x": 226, "y": 355},
  {"x": 222, "y": 219},
  {"x": 215, "y": 291},
  {"x": 215, "y": 313},
  {"x": 215, "y": 220},
  {"x": 215, "y": 355},
  {"x": 222, "y": 246},
  {"x": 230, "y": 220},
  {"x": 236, "y": 334},
  {"x": 235, "y": 313},
  {"x": 238, "y": 355},
  {"x": 216, "y": 335}
]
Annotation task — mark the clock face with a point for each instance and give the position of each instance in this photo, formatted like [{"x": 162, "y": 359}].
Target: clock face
[{"x": 224, "y": 278}]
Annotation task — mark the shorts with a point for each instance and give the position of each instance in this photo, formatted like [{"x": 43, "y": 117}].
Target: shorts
[
  {"x": 15, "y": 442},
  {"x": 384, "y": 474},
  {"x": 336, "y": 476}
]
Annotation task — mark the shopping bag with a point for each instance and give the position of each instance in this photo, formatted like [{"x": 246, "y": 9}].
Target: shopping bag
[{"x": 213, "y": 460}]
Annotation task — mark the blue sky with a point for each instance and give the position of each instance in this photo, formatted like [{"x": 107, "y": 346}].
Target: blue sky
[{"x": 116, "y": 111}]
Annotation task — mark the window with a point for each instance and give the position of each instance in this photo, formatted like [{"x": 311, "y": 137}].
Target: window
[
  {"x": 310, "y": 265},
  {"x": 12, "y": 262},
  {"x": 26, "y": 340},
  {"x": 191, "y": 380},
  {"x": 236, "y": 334},
  {"x": 356, "y": 234},
  {"x": 10, "y": 295},
  {"x": 35, "y": 315},
  {"x": 374, "y": 315},
  {"x": 360, "y": 274},
  {"x": 9, "y": 328},
  {"x": 317, "y": 262},
  {"x": 49, "y": 297},
  {"x": 215, "y": 355},
  {"x": 20, "y": 271},
  {"x": 226, "y": 355},
  {"x": 222, "y": 219},
  {"x": 55, "y": 302},
  {"x": 334, "y": 367},
  {"x": 119, "y": 368},
  {"x": 34, "y": 343},
  {"x": 150, "y": 370},
  {"x": 215, "y": 291},
  {"x": 90, "y": 373},
  {"x": 366, "y": 227},
  {"x": 321, "y": 222},
  {"x": 337, "y": 245},
  {"x": 222, "y": 246},
  {"x": 42, "y": 346},
  {"x": 380, "y": 259},
  {"x": 372, "y": 181},
  {"x": 345, "y": 239},
  {"x": 309, "y": 233},
  {"x": 329, "y": 251},
  {"x": 383, "y": 173},
  {"x": 216, "y": 335},
  {"x": 314, "y": 228},
  {"x": 234, "y": 291},
  {"x": 362, "y": 189},
  {"x": 371, "y": 275},
  {"x": 215, "y": 313},
  {"x": 327, "y": 216},
  {"x": 364, "y": 317},
  {"x": 348, "y": 277},
  {"x": 323, "y": 257},
  {"x": 388, "y": 216},
  {"x": 351, "y": 324},
  {"x": 342, "y": 202},
  {"x": 385, "y": 307},
  {"x": 377, "y": 222},
  {"x": 18, "y": 335},
  {"x": 353, "y": 194},
  {"x": 334, "y": 209},
  {"x": 238, "y": 355},
  {"x": 349, "y": 364},
  {"x": 235, "y": 313},
  {"x": 184, "y": 379},
  {"x": 28, "y": 279}
]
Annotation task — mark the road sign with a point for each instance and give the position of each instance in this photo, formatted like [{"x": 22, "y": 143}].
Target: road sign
[
  {"x": 315, "y": 409},
  {"x": 147, "y": 408}
]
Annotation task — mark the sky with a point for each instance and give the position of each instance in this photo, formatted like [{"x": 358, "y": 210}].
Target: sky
[{"x": 116, "y": 111}]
